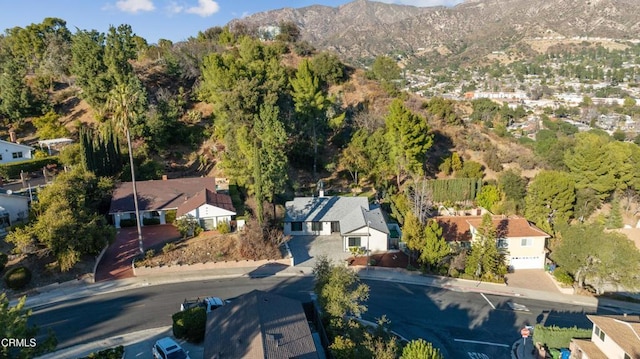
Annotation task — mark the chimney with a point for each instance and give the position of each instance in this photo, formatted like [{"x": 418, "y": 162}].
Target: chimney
[
  {"x": 12, "y": 136},
  {"x": 321, "y": 193},
  {"x": 164, "y": 177}
]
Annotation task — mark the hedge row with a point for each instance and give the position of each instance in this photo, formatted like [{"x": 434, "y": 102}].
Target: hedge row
[
  {"x": 190, "y": 324},
  {"x": 557, "y": 337},
  {"x": 12, "y": 170}
]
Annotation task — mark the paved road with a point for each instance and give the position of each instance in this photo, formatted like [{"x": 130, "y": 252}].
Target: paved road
[{"x": 463, "y": 325}]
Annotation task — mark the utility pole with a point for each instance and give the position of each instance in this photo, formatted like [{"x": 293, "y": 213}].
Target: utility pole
[{"x": 135, "y": 193}]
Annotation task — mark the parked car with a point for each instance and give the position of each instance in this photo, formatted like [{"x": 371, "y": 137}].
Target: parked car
[
  {"x": 208, "y": 303},
  {"x": 167, "y": 348}
]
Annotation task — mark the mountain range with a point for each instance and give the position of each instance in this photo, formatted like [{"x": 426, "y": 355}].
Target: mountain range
[{"x": 363, "y": 29}]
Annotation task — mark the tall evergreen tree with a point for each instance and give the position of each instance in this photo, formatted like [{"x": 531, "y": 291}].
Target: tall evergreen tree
[
  {"x": 485, "y": 260},
  {"x": 408, "y": 139},
  {"x": 16, "y": 98},
  {"x": 310, "y": 102},
  {"x": 87, "y": 64},
  {"x": 550, "y": 199},
  {"x": 435, "y": 247}
]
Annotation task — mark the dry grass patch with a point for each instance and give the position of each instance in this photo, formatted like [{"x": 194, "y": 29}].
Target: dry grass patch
[{"x": 253, "y": 243}]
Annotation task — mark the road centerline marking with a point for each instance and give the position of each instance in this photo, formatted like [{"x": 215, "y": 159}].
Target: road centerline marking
[
  {"x": 488, "y": 301},
  {"x": 479, "y": 342}
]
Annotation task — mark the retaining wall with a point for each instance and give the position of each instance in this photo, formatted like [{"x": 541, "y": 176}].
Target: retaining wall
[{"x": 146, "y": 271}]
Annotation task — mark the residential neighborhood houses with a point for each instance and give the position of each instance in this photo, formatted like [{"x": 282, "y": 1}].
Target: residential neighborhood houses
[
  {"x": 360, "y": 224},
  {"x": 195, "y": 197},
  {"x": 613, "y": 336}
]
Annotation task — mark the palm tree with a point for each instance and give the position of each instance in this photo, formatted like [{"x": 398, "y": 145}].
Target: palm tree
[{"x": 123, "y": 105}]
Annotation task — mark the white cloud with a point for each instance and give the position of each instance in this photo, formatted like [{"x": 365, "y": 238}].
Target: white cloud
[
  {"x": 134, "y": 6},
  {"x": 174, "y": 8},
  {"x": 205, "y": 8},
  {"x": 423, "y": 2}
]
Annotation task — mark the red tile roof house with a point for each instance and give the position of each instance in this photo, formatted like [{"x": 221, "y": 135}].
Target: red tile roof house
[
  {"x": 523, "y": 242},
  {"x": 188, "y": 196}
]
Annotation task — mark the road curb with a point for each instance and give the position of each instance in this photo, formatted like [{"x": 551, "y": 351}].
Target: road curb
[{"x": 82, "y": 350}]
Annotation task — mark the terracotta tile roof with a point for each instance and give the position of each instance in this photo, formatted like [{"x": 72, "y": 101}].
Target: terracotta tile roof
[
  {"x": 206, "y": 196},
  {"x": 589, "y": 348},
  {"x": 158, "y": 194},
  {"x": 458, "y": 228},
  {"x": 455, "y": 228},
  {"x": 511, "y": 227},
  {"x": 623, "y": 330},
  {"x": 259, "y": 325}
]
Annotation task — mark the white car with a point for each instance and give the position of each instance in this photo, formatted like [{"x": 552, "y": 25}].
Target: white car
[{"x": 167, "y": 348}]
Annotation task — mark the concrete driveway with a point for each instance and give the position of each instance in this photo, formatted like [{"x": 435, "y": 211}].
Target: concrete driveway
[
  {"x": 535, "y": 279},
  {"x": 306, "y": 249}
]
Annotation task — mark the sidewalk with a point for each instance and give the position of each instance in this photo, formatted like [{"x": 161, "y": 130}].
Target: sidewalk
[{"x": 139, "y": 344}]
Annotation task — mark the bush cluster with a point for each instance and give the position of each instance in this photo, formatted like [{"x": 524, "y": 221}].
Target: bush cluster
[
  {"x": 111, "y": 353},
  {"x": 190, "y": 324},
  {"x": 17, "y": 278},
  {"x": 127, "y": 223},
  {"x": 223, "y": 228},
  {"x": 12, "y": 170},
  {"x": 562, "y": 276},
  {"x": 150, "y": 221}
]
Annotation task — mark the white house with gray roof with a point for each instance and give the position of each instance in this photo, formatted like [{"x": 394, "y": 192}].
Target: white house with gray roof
[
  {"x": 351, "y": 217},
  {"x": 14, "y": 152}
]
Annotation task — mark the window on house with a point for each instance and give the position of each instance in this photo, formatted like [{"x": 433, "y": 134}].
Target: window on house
[
  {"x": 503, "y": 243},
  {"x": 353, "y": 241},
  {"x": 316, "y": 226},
  {"x": 602, "y": 336},
  {"x": 526, "y": 242},
  {"x": 627, "y": 356},
  {"x": 17, "y": 154},
  {"x": 296, "y": 226},
  {"x": 596, "y": 330},
  {"x": 0, "y": 157}
]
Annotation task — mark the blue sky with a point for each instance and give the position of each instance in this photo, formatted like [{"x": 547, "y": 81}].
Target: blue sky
[{"x": 175, "y": 20}]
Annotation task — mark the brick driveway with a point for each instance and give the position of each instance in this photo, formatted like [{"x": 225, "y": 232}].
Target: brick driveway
[{"x": 116, "y": 262}]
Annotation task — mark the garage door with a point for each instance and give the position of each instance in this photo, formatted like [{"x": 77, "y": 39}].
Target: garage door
[{"x": 527, "y": 262}]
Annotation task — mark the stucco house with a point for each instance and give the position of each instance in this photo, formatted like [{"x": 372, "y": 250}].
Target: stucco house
[
  {"x": 613, "y": 337},
  {"x": 187, "y": 196},
  {"x": 14, "y": 152},
  {"x": 260, "y": 325},
  {"x": 359, "y": 224},
  {"x": 523, "y": 242},
  {"x": 14, "y": 208}
]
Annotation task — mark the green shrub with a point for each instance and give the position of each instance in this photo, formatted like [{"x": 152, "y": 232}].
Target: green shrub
[
  {"x": 556, "y": 337},
  {"x": 223, "y": 228},
  {"x": 12, "y": 170},
  {"x": 4, "y": 259},
  {"x": 562, "y": 276},
  {"x": 168, "y": 247},
  {"x": 18, "y": 277},
  {"x": 149, "y": 254},
  {"x": 151, "y": 221},
  {"x": 127, "y": 222},
  {"x": 111, "y": 353},
  {"x": 190, "y": 324},
  {"x": 170, "y": 216}
]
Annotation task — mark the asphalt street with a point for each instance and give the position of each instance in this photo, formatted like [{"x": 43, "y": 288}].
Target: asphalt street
[{"x": 461, "y": 324}]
